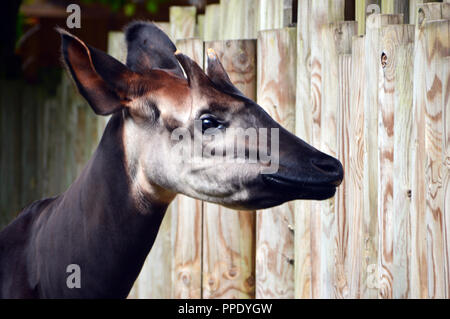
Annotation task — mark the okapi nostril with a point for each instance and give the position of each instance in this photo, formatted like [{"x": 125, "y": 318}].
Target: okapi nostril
[
  {"x": 325, "y": 168},
  {"x": 328, "y": 166}
]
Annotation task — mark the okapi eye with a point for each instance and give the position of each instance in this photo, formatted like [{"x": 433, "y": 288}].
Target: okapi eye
[{"x": 210, "y": 122}]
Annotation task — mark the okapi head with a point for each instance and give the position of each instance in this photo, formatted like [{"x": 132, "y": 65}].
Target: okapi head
[{"x": 182, "y": 127}]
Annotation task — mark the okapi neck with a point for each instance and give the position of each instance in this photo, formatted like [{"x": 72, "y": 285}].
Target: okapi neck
[{"x": 111, "y": 234}]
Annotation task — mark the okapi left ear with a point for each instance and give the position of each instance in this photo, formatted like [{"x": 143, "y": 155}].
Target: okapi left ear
[
  {"x": 101, "y": 80},
  {"x": 195, "y": 75},
  {"x": 216, "y": 72}
]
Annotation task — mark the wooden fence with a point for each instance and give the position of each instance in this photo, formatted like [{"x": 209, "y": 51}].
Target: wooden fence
[{"x": 373, "y": 92}]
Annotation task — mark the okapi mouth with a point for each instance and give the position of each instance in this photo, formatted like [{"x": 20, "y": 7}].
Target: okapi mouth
[
  {"x": 299, "y": 189},
  {"x": 322, "y": 185}
]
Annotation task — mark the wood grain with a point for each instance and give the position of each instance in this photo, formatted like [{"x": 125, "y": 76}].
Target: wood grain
[
  {"x": 419, "y": 271},
  {"x": 402, "y": 181},
  {"x": 336, "y": 39},
  {"x": 270, "y": 15},
  {"x": 446, "y": 170},
  {"x": 322, "y": 13},
  {"x": 361, "y": 13},
  {"x": 186, "y": 248},
  {"x": 392, "y": 36},
  {"x": 182, "y": 22},
  {"x": 373, "y": 71},
  {"x": 342, "y": 219},
  {"x": 238, "y": 19},
  {"x": 303, "y": 123},
  {"x": 276, "y": 94},
  {"x": 396, "y": 7},
  {"x": 354, "y": 118},
  {"x": 228, "y": 235},
  {"x": 212, "y": 23},
  {"x": 437, "y": 48}
]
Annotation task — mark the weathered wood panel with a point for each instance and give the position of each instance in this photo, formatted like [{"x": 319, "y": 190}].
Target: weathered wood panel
[
  {"x": 392, "y": 37},
  {"x": 322, "y": 13},
  {"x": 342, "y": 218},
  {"x": 446, "y": 169},
  {"x": 229, "y": 236},
  {"x": 370, "y": 222},
  {"x": 397, "y": 7},
  {"x": 212, "y": 23},
  {"x": 271, "y": 14},
  {"x": 371, "y": 95},
  {"x": 186, "y": 248},
  {"x": 182, "y": 22},
  {"x": 336, "y": 39},
  {"x": 402, "y": 182},
  {"x": 303, "y": 123},
  {"x": 354, "y": 174},
  {"x": 276, "y": 94},
  {"x": 238, "y": 19},
  {"x": 419, "y": 272},
  {"x": 200, "y": 26},
  {"x": 437, "y": 47},
  {"x": 363, "y": 9}
]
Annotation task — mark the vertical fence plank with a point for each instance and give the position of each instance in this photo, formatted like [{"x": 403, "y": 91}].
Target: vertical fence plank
[
  {"x": 229, "y": 236},
  {"x": 187, "y": 247},
  {"x": 363, "y": 10},
  {"x": 402, "y": 183},
  {"x": 212, "y": 22},
  {"x": 354, "y": 177},
  {"x": 371, "y": 95},
  {"x": 238, "y": 19},
  {"x": 336, "y": 39},
  {"x": 343, "y": 215},
  {"x": 391, "y": 38},
  {"x": 182, "y": 22},
  {"x": 446, "y": 170},
  {"x": 270, "y": 14},
  {"x": 397, "y": 7},
  {"x": 437, "y": 47},
  {"x": 323, "y": 12},
  {"x": 187, "y": 215},
  {"x": 303, "y": 122},
  {"x": 200, "y": 26},
  {"x": 419, "y": 280},
  {"x": 276, "y": 94}
]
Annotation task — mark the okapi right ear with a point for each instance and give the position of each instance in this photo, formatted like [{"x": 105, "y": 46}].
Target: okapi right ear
[
  {"x": 101, "y": 80},
  {"x": 195, "y": 75},
  {"x": 216, "y": 72}
]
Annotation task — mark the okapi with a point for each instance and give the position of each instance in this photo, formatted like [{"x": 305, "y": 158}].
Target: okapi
[{"x": 107, "y": 220}]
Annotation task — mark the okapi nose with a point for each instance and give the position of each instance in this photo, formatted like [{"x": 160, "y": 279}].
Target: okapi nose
[{"x": 330, "y": 167}]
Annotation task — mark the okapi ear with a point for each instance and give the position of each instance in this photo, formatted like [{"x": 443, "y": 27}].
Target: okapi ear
[
  {"x": 195, "y": 75},
  {"x": 150, "y": 48},
  {"x": 100, "y": 79},
  {"x": 216, "y": 72}
]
